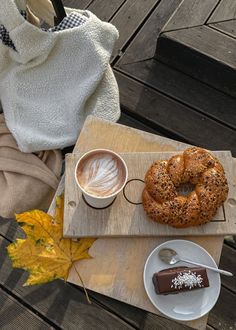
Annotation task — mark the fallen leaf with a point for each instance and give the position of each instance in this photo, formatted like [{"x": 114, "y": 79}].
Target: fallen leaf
[{"x": 45, "y": 254}]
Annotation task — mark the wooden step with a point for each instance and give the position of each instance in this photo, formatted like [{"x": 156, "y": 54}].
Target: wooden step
[{"x": 200, "y": 41}]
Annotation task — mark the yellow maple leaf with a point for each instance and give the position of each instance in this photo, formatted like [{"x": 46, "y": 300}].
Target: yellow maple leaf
[{"x": 45, "y": 254}]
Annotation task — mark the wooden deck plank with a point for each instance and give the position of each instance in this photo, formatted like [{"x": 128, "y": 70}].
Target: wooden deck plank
[
  {"x": 15, "y": 316},
  {"x": 147, "y": 321},
  {"x": 207, "y": 41},
  {"x": 131, "y": 122},
  {"x": 129, "y": 18},
  {"x": 190, "y": 13},
  {"x": 10, "y": 229},
  {"x": 78, "y": 4},
  {"x": 231, "y": 241},
  {"x": 137, "y": 317},
  {"x": 227, "y": 27},
  {"x": 199, "y": 50},
  {"x": 183, "y": 88},
  {"x": 225, "y": 10},
  {"x": 149, "y": 33},
  {"x": 62, "y": 304},
  {"x": 223, "y": 317},
  {"x": 173, "y": 118},
  {"x": 103, "y": 11},
  {"x": 138, "y": 63},
  {"x": 227, "y": 262},
  {"x": 209, "y": 50}
]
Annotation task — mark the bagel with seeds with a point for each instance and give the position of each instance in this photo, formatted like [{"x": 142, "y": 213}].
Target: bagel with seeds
[{"x": 196, "y": 166}]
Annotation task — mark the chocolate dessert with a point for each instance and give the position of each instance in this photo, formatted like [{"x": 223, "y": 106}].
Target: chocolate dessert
[{"x": 180, "y": 279}]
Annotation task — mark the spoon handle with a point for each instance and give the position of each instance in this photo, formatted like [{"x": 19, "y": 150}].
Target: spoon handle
[{"x": 221, "y": 271}]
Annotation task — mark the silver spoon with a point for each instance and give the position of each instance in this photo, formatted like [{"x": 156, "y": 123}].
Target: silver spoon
[{"x": 171, "y": 257}]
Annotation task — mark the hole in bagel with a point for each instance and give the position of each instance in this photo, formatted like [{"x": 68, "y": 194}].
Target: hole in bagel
[{"x": 185, "y": 189}]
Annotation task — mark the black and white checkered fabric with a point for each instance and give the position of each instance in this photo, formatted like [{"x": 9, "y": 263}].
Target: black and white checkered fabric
[
  {"x": 69, "y": 22},
  {"x": 5, "y": 38}
]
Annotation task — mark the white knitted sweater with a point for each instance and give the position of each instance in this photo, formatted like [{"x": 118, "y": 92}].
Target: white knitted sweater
[{"x": 54, "y": 80}]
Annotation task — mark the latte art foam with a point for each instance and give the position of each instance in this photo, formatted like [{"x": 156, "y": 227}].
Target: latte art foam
[{"x": 101, "y": 174}]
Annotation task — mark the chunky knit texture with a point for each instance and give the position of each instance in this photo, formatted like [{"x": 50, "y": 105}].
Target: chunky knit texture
[{"x": 52, "y": 81}]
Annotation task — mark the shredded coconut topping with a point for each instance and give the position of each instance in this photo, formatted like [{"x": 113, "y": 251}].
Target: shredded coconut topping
[{"x": 187, "y": 280}]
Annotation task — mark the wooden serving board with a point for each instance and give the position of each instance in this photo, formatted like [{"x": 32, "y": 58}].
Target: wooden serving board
[
  {"x": 116, "y": 269},
  {"x": 126, "y": 216}
]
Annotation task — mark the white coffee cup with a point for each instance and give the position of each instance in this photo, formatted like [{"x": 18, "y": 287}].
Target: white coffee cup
[{"x": 101, "y": 175}]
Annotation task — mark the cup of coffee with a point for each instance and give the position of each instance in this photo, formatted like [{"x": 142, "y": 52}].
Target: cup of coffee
[{"x": 100, "y": 174}]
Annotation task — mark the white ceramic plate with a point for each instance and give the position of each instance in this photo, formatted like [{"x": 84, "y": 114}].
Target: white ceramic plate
[{"x": 184, "y": 306}]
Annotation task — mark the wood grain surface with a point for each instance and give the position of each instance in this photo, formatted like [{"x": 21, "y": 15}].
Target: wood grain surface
[
  {"x": 207, "y": 41},
  {"x": 173, "y": 118},
  {"x": 136, "y": 52},
  {"x": 227, "y": 27},
  {"x": 128, "y": 19},
  {"x": 225, "y": 10},
  {"x": 206, "y": 100},
  {"x": 14, "y": 315},
  {"x": 190, "y": 13},
  {"x": 103, "y": 11},
  {"x": 117, "y": 265},
  {"x": 191, "y": 44},
  {"x": 210, "y": 50},
  {"x": 78, "y": 4},
  {"x": 124, "y": 218}
]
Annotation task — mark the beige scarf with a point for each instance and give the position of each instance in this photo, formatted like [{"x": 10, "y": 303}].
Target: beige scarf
[{"x": 27, "y": 181}]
